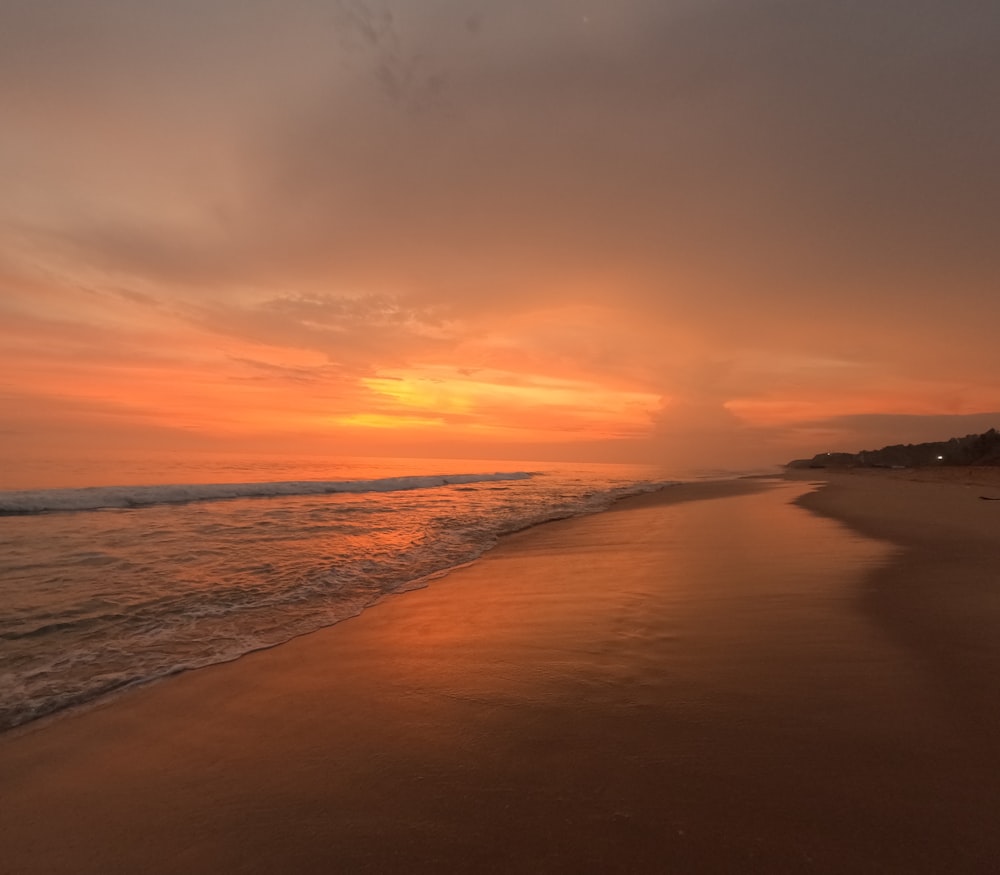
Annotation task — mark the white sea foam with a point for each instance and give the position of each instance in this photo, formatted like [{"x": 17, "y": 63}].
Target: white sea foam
[{"x": 100, "y": 497}]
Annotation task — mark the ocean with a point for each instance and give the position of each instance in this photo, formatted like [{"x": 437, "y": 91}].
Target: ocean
[{"x": 104, "y": 587}]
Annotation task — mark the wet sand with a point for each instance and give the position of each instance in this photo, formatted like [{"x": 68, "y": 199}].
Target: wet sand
[
  {"x": 940, "y": 599},
  {"x": 709, "y": 679}
]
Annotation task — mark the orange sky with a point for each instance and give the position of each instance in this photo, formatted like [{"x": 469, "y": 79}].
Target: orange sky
[{"x": 716, "y": 233}]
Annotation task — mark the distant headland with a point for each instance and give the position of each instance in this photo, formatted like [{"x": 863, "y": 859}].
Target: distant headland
[{"x": 973, "y": 449}]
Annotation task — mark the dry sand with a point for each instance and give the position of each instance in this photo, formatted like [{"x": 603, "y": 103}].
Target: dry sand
[{"x": 704, "y": 680}]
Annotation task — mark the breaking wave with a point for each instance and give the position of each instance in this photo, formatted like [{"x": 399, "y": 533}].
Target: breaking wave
[{"x": 101, "y": 497}]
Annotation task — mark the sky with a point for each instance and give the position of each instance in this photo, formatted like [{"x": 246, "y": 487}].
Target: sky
[{"x": 699, "y": 232}]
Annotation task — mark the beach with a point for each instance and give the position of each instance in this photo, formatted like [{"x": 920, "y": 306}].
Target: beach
[{"x": 757, "y": 675}]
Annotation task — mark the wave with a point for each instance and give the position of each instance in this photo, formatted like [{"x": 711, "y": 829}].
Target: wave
[
  {"x": 21, "y": 502},
  {"x": 137, "y": 624}
]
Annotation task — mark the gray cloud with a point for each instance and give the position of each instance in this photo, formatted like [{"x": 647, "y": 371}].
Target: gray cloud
[
  {"x": 780, "y": 146},
  {"x": 773, "y": 145}
]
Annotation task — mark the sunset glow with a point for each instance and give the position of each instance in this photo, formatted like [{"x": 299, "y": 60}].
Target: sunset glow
[{"x": 397, "y": 230}]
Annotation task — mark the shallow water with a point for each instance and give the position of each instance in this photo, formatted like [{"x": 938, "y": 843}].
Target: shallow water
[{"x": 129, "y": 584}]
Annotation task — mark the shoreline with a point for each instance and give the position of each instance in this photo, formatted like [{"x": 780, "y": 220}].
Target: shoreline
[
  {"x": 693, "y": 680},
  {"x": 706, "y": 489},
  {"x": 940, "y": 598},
  {"x": 910, "y": 507}
]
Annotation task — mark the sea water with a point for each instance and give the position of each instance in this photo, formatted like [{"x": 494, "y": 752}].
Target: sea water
[{"x": 167, "y": 566}]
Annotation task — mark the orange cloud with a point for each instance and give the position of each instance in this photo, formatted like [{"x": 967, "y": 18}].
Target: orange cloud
[{"x": 494, "y": 402}]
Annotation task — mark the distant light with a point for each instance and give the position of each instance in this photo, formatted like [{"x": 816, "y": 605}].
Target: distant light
[{"x": 940, "y": 458}]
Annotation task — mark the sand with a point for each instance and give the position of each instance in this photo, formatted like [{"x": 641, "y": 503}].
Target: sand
[
  {"x": 709, "y": 679},
  {"x": 940, "y": 599}
]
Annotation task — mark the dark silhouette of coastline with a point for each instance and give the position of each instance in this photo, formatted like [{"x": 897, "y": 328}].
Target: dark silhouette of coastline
[{"x": 971, "y": 450}]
